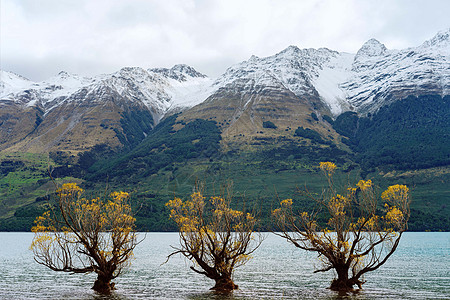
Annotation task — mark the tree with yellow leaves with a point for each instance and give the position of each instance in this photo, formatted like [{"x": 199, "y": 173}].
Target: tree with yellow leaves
[
  {"x": 360, "y": 235},
  {"x": 215, "y": 237},
  {"x": 83, "y": 236}
]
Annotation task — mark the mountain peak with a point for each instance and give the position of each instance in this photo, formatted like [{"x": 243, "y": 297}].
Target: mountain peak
[
  {"x": 178, "y": 72},
  {"x": 187, "y": 70},
  {"x": 371, "y": 48},
  {"x": 130, "y": 70},
  {"x": 8, "y": 75},
  {"x": 253, "y": 58},
  {"x": 440, "y": 40},
  {"x": 63, "y": 74},
  {"x": 290, "y": 49},
  {"x": 11, "y": 82}
]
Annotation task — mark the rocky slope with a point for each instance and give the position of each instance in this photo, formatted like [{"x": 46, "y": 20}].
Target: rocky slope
[
  {"x": 363, "y": 82},
  {"x": 290, "y": 87},
  {"x": 295, "y": 87},
  {"x": 73, "y": 113},
  {"x": 278, "y": 89}
]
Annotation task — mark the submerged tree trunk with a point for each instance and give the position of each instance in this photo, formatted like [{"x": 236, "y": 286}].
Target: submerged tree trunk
[
  {"x": 224, "y": 285},
  {"x": 342, "y": 282},
  {"x": 103, "y": 284}
]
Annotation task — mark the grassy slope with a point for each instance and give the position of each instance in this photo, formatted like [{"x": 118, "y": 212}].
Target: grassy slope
[
  {"x": 256, "y": 183},
  {"x": 175, "y": 155},
  {"x": 261, "y": 186},
  {"x": 19, "y": 184},
  {"x": 24, "y": 182}
]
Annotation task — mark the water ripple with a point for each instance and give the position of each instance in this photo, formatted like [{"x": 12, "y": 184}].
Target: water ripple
[{"x": 418, "y": 270}]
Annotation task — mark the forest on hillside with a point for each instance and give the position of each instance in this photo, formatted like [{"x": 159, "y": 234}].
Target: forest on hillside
[{"x": 411, "y": 135}]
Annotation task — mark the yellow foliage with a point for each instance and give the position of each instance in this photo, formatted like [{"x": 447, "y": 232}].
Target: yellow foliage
[
  {"x": 42, "y": 241},
  {"x": 86, "y": 235},
  {"x": 352, "y": 191},
  {"x": 176, "y": 202},
  {"x": 89, "y": 219},
  {"x": 337, "y": 205},
  {"x": 286, "y": 203},
  {"x": 327, "y": 167},
  {"x": 218, "y": 238},
  {"x": 364, "y": 184},
  {"x": 119, "y": 196},
  {"x": 356, "y": 233},
  {"x": 393, "y": 215},
  {"x": 395, "y": 193},
  {"x": 371, "y": 223},
  {"x": 69, "y": 190},
  {"x": 276, "y": 212},
  {"x": 43, "y": 223}
]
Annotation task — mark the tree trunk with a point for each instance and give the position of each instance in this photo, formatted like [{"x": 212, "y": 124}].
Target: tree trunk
[
  {"x": 342, "y": 282},
  {"x": 225, "y": 284},
  {"x": 103, "y": 285}
]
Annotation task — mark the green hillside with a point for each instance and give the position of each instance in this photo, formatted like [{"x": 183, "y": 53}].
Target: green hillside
[
  {"x": 413, "y": 133},
  {"x": 405, "y": 143}
]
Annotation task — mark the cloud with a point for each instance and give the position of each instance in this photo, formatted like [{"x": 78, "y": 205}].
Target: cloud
[{"x": 40, "y": 38}]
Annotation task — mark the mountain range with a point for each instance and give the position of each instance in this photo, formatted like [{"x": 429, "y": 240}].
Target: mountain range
[
  {"x": 264, "y": 124},
  {"x": 74, "y": 113}
]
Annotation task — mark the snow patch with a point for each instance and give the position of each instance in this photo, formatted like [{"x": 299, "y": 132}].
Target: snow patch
[
  {"x": 328, "y": 81},
  {"x": 11, "y": 83},
  {"x": 190, "y": 92}
]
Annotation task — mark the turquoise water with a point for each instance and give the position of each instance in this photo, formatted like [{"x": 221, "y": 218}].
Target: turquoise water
[{"x": 419, "y": 269}]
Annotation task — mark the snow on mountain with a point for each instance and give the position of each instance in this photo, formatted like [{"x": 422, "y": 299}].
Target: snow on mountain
[
  {"x": 178, "y": 72},
  {"x": 305, "y": 72},
  {"x": 160, "y": 90},
  {"x": 362, "y": 82},
  {"x": 371, "y": 48},
  {"x": 57, "y": 87},
  {"x": 23, "y": 91},
  {"x": 11, "y": 83},
  {"x": 188, "y": 93},
  {"x": 185, "y": 87},
  {"x": 292, "y": 68},
  {"x": 386, "y": 75},
  {"x": 440, "y": 42},
  {"x": 328, "y": 80}
]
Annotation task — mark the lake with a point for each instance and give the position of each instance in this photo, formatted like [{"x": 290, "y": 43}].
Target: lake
[{"x": 419, "y": 269}]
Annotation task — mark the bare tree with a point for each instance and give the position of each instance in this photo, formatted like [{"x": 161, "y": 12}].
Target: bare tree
[
  {"x": 215, "y": 237},
  {"x": 83, "y": 236},
  {"x": 360, "y": 235}
]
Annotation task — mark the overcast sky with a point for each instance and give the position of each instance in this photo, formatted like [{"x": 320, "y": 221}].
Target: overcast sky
[{"x": 39, "y": 38}]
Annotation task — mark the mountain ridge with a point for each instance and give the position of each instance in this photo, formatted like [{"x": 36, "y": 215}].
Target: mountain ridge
[
  {"x": 308, "y": 64},
  {"x": 265, "y": 124},
  {"x": 287, "y": 87}
]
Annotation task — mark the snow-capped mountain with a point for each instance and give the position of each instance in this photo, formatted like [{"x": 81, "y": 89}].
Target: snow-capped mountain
[
  {"x": 70, "y": 112},
  {"x": 297, "y": 87},
  {"x": 288, "y": 87},
  {"x": 360, "y": 81},
  {"x": 304, "y": 72},
  {"x": 380, "y": 76},
  {"x": 278, "y": 88},
  {"x": 161, "y": 90},
  {"x": 364, "y": 81}
]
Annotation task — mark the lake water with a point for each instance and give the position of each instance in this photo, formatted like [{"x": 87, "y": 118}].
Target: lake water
[{"x": 419, "y": 269}]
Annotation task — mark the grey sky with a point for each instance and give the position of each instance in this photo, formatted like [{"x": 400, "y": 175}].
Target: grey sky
[{"x": 39, "y": 38}]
